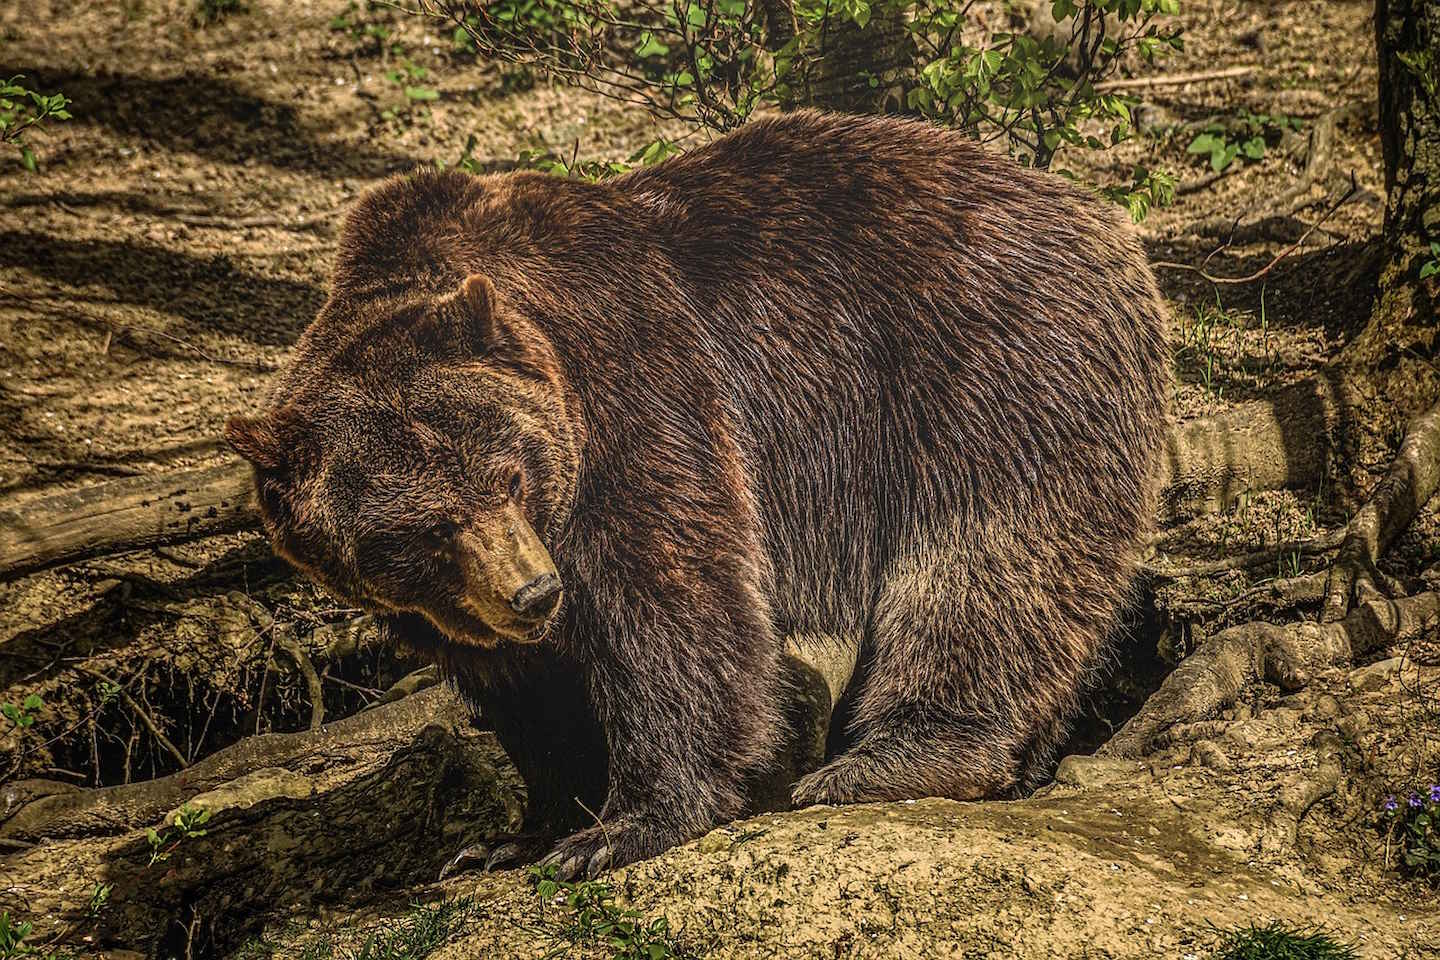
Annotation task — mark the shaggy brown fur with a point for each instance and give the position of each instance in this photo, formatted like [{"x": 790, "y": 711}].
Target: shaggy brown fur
[{"x": 826, "y": 375}]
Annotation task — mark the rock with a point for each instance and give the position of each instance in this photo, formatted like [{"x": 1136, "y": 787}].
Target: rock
[
  {"x": 1207, "y": 753},
  {"x": 1079, "y": 770},
  {"x": 1245, "y": 734},
  {"x": 1324, "y": 707},
  {"x": 1354, "y": 726},
  {"x": 1283, "y": 717},
  {"x": 1376, "y": 676},
  {"x": 714, "y": 842}
]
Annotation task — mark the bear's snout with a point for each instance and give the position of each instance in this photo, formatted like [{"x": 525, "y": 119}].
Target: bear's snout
[{"x": 538, "y": 599}]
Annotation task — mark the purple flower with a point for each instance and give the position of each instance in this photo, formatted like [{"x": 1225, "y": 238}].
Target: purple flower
[
  {"x": 1435, "y": 793},
  {"x": 1414, "y": 800},
  {"x": 1390, "y": 805}
]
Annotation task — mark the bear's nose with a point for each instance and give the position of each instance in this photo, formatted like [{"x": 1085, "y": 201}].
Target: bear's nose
[{"x": 538, "y": 598}]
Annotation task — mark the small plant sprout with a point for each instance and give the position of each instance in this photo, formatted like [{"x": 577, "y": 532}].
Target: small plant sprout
[
  {"x": 1411, "y": 823},
  {"x": 1431, "y": 267},
  {"x": 189, "y": 821},
  {"x": 584, "y": 914},
  {"x": 24, "y": 111},
  {"x": 410, "y": 77},
  {"x": 1247, "y": 135},
  {"x": 22, "y": 714},
  {"x": 99, "y": 897},
  {"x": 12, "y": 937}
]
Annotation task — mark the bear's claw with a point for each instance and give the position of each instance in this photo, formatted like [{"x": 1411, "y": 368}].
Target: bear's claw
[{"x": 498, "y": 853}]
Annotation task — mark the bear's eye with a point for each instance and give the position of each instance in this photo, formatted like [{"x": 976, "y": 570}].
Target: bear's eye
[
  {"x": 440, "y": 535},
  {"x": 515, "y": 484}
]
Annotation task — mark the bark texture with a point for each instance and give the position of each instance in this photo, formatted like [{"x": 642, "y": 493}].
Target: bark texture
[
  {"x": 1402, "y": 323},
  {"x": 376, "y": 801}
]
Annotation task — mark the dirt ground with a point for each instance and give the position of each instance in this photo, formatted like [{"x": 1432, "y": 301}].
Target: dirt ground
[{"x": 177, "y": 241}]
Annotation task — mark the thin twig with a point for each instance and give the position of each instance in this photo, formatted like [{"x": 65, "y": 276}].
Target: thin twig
[
  {"x": 145, "y": 718},
  {"x": 1258, "y": 274}
]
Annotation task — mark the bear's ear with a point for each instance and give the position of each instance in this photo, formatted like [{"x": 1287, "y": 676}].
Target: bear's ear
[
  {"x": 490, "y": 329},
  {"x": 257, "y": 440},
  {"x": 477, "y": 297},
  {"x": 478, "y": 294}
]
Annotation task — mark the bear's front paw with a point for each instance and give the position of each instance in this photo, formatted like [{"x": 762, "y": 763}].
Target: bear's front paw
[
  {"x": 607, "y": 846},
  {"x": 846, "y": 779}
]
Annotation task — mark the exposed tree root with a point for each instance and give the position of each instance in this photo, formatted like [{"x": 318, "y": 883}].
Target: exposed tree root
[
  {"x": 1357, "y": 615},
  {"x": 1290, "y": 655},
  {"x": 1412, "y": 480}
]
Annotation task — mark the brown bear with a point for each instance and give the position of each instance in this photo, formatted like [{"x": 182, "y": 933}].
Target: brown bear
[{"x": 600, "y": 447}]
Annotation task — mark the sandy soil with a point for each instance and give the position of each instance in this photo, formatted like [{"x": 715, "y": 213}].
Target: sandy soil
[{"x": 179, "y": 239}]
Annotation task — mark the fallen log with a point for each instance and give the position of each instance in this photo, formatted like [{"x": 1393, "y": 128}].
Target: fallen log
[
  {"x": 376, "y": 801},
  {"x": 1208, "y": 463},
  {"x": 122, "y": 515}
]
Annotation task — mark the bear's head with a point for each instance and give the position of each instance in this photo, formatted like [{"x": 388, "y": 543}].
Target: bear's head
[{"x": 419, "y": 457}]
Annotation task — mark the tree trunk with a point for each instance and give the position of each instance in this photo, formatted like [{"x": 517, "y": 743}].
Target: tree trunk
[
  {"x": 858, "y": 65},
  {"x": 1398, "y": 343}
]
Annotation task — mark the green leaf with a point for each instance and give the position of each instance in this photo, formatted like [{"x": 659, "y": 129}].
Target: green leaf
[
  {"x": 421, "y": 93},
  {"x": 33, "y": 702},
  {"x": 650, "y": 47},
  {"x": 1205, "y": 143},
  {"x": 1254, "y": 148},
  {"x": 1221, "y": 159},
  {"x": 27, "y": 158},
  {"x": 1429, "y": 270}
]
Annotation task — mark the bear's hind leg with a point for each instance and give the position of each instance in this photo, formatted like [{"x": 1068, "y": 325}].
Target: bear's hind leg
[{"x": 964, "y": 683}]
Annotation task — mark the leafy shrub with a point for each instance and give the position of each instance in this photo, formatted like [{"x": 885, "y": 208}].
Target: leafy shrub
[
  {"x": 713, "y": 63},
  {"x": 24, "y": 111}
]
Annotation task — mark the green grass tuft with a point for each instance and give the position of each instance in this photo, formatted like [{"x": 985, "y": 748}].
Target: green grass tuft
[
  {"x": 413, "y": 936},
  {"x": 1278, "y": 940}
]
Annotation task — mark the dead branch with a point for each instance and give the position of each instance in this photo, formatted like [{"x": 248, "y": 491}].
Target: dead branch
[
  {"x": 285, "y": 639},
  {"x": 1274, "y": 261},
  {"x": 1241, "y": 561},
  {"x": 1412, "y": 480},
  {"x": 1174, "y": 79},
  {"x": 1256, "y": 445},
  {"x": 1288, "y": 655},
  {"x": 1208, "y": 462},
  {"x": 142, "y": 714}
]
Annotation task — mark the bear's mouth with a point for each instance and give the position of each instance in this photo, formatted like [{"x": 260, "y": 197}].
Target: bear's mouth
[{"x": 466, "y": 629}]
